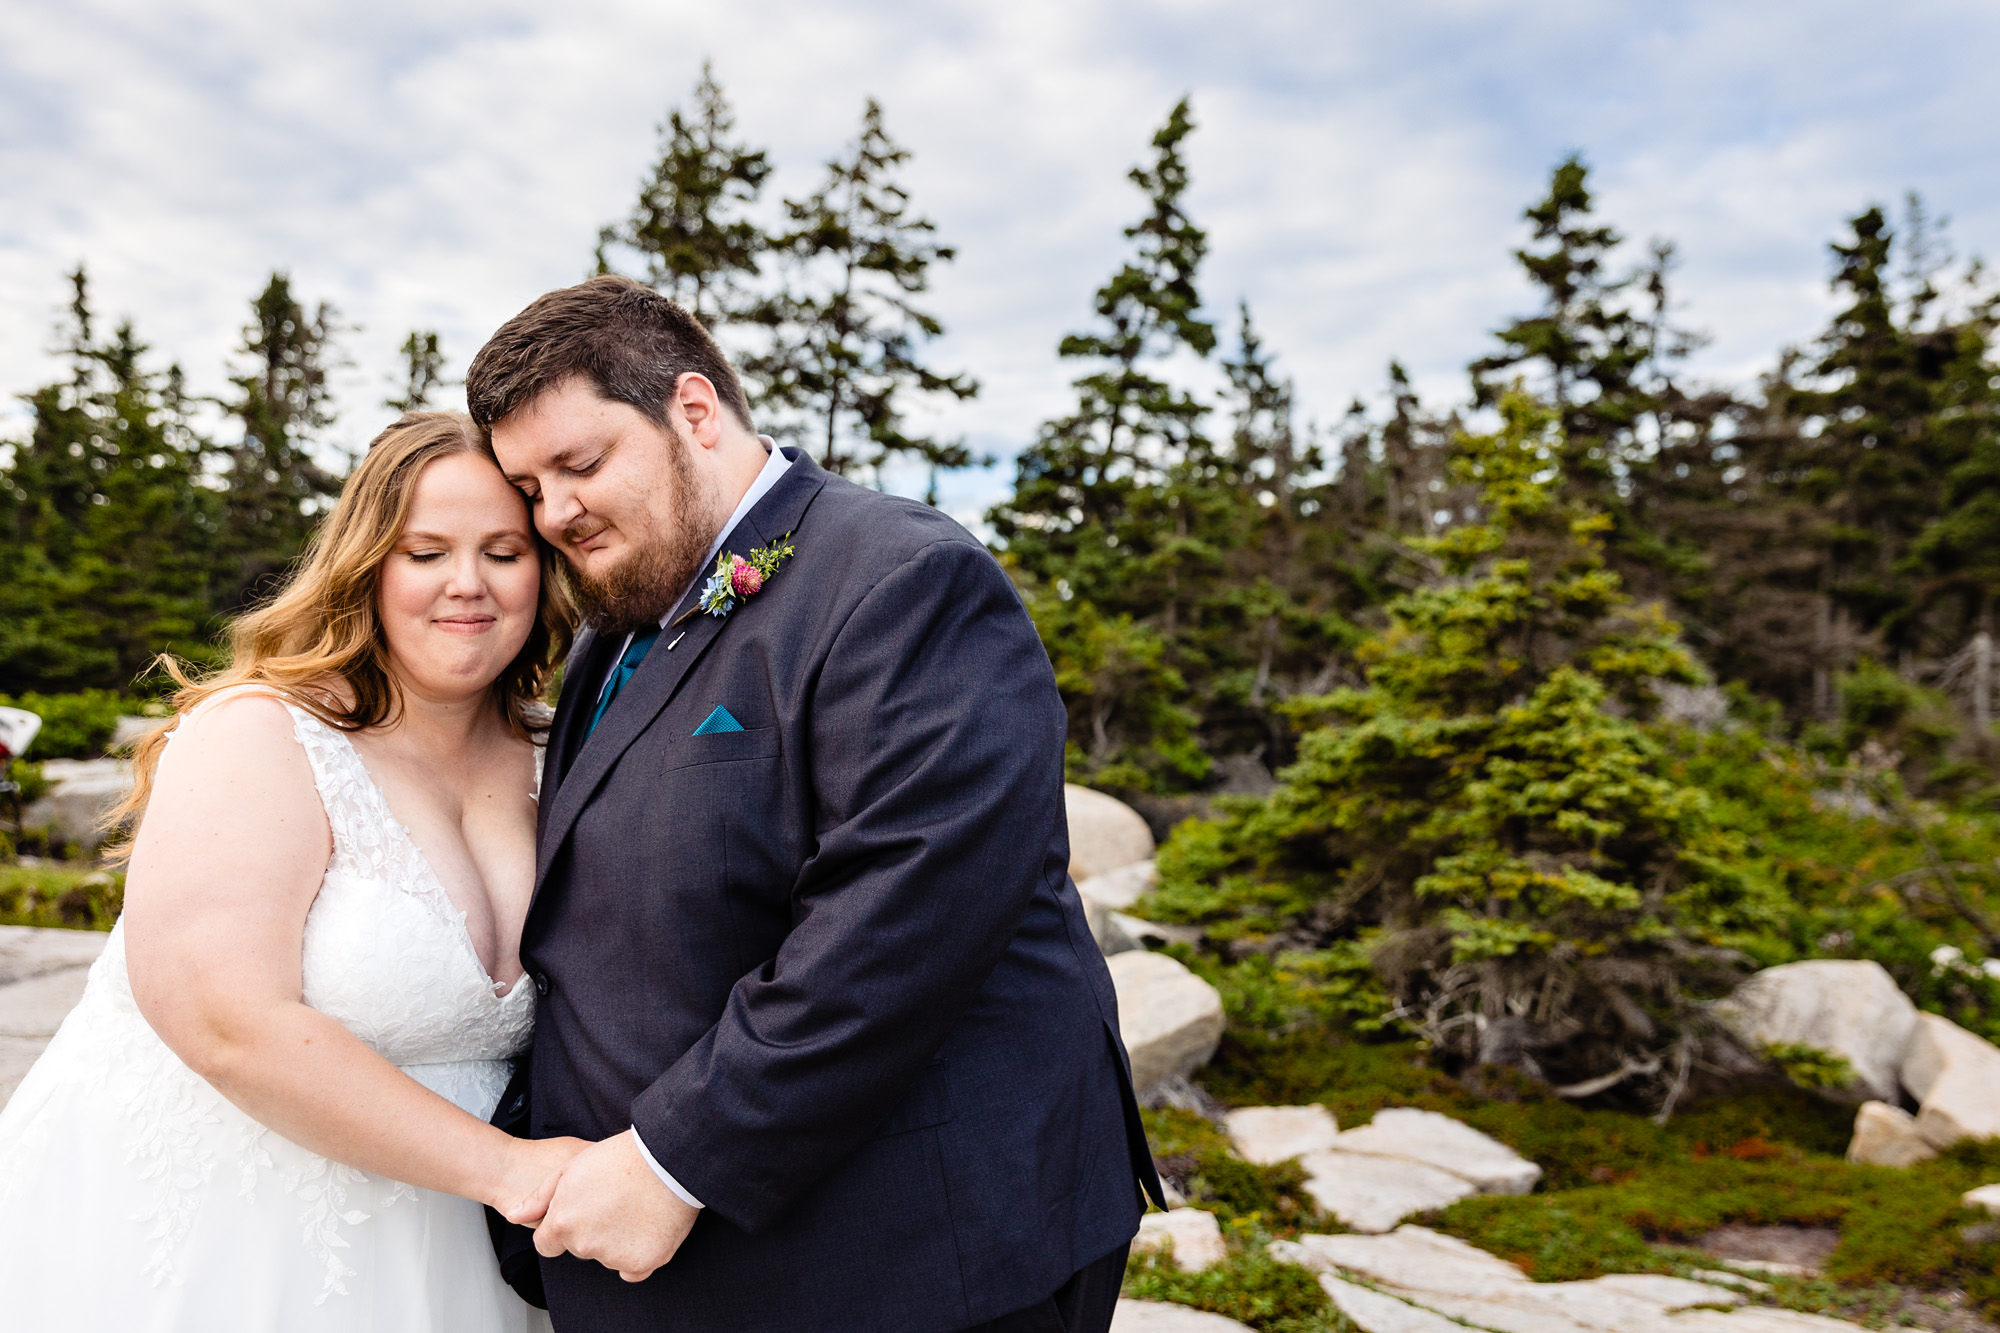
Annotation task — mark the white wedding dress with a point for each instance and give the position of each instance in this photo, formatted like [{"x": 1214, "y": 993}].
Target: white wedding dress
[{"x": 134, "y": 1198}]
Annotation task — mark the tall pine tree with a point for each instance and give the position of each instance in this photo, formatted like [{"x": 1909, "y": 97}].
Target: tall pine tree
[
  {"x": 846, "y": 337},
  {"x": 276, "y": 487},
  {"x": 691, "y": 230}
]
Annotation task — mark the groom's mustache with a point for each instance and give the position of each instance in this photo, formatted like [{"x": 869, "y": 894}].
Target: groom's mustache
[{"x": 582, "y": 530}]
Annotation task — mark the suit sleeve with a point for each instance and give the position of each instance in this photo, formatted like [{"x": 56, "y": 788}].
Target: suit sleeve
[{"x": 936, "y": 740}]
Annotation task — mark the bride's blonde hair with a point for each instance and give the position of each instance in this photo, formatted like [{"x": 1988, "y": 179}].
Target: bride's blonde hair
[{"x": 326, "y": 623}]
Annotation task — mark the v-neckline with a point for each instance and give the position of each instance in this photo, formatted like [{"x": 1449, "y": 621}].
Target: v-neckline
[{"x": 456, "y": 914}]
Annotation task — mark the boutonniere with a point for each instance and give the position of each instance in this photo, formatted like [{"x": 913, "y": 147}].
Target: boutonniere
[{"x": 738, "y": 578}]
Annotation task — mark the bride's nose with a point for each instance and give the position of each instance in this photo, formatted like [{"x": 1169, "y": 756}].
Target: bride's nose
[{"x": 465, "y": 580}]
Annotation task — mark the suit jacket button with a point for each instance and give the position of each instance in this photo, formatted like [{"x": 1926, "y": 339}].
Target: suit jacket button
[{"x": 542, "y": 984}]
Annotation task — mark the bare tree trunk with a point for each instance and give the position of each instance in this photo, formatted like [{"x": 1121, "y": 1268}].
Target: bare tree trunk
[
  {"x": 1822, "y": 670},
  {"x": 1263, "y": 680},
  {"x": 1982, "y": 681}
]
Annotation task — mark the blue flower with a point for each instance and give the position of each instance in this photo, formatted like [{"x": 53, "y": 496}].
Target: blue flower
[{"x": 717, "y": 597}]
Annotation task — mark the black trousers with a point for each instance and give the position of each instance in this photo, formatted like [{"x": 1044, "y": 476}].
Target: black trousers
[{"x": 1081, "y": 1305}]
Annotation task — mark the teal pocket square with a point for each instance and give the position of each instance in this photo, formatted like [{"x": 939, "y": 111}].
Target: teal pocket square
[{"x": 719, "y": 721}]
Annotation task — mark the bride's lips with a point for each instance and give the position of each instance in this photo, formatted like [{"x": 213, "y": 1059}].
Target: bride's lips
[{"x": 464, "y": 624}]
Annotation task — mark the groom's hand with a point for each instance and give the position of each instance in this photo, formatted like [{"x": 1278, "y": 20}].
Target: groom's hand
[{"x": 608, "y": 1205}]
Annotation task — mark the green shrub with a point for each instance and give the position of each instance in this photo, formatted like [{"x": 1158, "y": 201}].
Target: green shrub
[
  {"x": 75, "y": 726},
  {"x": 1485, "y": 827}
]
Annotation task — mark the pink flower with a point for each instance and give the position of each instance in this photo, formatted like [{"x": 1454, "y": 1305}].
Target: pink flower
[{"x": 744, "y": 578}]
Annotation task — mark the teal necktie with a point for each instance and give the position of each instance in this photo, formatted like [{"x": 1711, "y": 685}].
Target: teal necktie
[{"x": 628, "y": 662}]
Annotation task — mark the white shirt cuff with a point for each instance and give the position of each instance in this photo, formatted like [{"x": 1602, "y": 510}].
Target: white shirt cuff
[{"x": 661, "y": 1172}]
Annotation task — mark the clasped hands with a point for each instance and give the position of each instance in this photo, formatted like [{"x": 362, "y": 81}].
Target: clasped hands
[{"x": 596, "y": 1201}]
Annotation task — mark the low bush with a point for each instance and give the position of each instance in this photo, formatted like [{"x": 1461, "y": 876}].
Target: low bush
[
  {"x": 77, "y": 897},
  {"x": 75, "y": 726}
]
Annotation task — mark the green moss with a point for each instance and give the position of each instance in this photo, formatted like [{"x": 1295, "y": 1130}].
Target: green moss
[
  {"x": 1619, "y": 1193},
  {"x": 1195, "y": 1155},
  {"x": 1250, "y": 1287},
  {"x": 1904, "y": 1227},
  {"x": 73, "y": 896}
]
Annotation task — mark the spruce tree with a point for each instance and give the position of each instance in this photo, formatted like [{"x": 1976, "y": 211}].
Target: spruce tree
[
  {"x": 423, "y": 372},
  {"x": 691, "y": 229},
  {"x": 1587, "y": 345},
  {"x": 846, "y": 337},
  {"x": 1484, "y": 832},
  {"x": 107, "y": 527},
  {"x": 276, "y": 488},
  {"x": 1091, "y": 502}
]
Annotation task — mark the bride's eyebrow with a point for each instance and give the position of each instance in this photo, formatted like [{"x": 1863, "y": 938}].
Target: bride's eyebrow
[{"x": 498, "y": 534}]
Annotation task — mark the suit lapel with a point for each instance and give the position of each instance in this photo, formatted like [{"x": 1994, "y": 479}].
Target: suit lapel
[{"x": 653, "y": 685}]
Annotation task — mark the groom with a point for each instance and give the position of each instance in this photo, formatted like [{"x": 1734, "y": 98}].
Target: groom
[{"x": 813, "y": 975}]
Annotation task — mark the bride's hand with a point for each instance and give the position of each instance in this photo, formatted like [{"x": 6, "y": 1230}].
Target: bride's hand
[{"x": 527, "y": 1169}]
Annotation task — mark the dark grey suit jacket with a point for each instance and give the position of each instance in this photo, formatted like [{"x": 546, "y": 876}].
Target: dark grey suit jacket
[{"x": 832, "y": 966}]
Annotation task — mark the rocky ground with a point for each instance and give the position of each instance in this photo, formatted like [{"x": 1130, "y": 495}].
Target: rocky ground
[{"x": 1360, "y": 1247}]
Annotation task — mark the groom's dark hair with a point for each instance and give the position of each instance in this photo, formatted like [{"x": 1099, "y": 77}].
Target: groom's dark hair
[{"x": 630, "y": 342}]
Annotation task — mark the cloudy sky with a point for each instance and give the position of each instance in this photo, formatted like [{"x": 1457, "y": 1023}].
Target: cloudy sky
[{"x": 1360, "y": 167}]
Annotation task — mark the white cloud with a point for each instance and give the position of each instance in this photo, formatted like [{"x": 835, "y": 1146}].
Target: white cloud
[{"x": 1361, "y": 169}]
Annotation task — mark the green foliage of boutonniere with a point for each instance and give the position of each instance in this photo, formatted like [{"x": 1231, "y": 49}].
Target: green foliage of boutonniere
[{"x": 738, "y": 578}]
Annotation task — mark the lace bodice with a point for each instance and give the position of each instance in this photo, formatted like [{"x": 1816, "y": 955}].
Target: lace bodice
[{"x": 385, "y": 953}]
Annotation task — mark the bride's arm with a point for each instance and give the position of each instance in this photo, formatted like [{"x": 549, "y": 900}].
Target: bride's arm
[{"x": 227, "y": 862}]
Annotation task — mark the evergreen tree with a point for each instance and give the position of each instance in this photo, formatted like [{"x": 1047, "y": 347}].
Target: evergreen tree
[
  {"x": 106, "y": 526},
  {"x": 423, "y": 372},
  {"x": 276, "y": 489},
  {"x": 846, "y": 336},
  {"x": 1588, "y": 346},
  {"x": 690, "y": 228},
  {"x": 1511, "y": 859},
  {"x": 1091, "y": 498}
]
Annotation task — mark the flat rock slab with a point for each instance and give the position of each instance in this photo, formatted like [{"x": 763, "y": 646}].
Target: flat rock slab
[
  {"x": 1986, "y": 1196},
  {"x": 1374, "y": 1312},
  {"x": 1413, "y": 1258},
  {"x": 35, "y": 1008},
  {"x": 1268, "y": 1135},
  {"x": 1757, "y": 1321},
  {"x": 29, "y": 951},
  {"x": 81, "y": 792},
  {"x": 1438, "y": 1141},
  {"x": 1849, "y": 1007},
  {"x": 1373, "y": 1194},
  {"x": 1429, "y": 1283},
  {"x": 1170, "y": 1018},
  {"x": 1159, "y": 1317},
  {"x": 42, "y": 975},
  {"x": 1193, "y": 1237}
]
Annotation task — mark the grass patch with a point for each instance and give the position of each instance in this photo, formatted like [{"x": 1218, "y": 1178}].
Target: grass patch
[{"x": 68, "y": 895}]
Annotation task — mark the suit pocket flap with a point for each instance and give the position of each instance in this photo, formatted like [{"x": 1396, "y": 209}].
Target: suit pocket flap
[
  {"x": 722, "y": 747},
  {"x": 929, "y": 1103}
]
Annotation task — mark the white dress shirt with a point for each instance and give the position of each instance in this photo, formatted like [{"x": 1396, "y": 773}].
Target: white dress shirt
[{"x": 774, "y": 468}]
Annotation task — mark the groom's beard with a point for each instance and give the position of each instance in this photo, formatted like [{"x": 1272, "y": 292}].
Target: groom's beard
[{"x": 637, "y": 593}]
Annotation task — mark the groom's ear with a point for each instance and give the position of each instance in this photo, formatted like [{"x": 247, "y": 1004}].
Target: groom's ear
[{"x": 699, "y": 407}]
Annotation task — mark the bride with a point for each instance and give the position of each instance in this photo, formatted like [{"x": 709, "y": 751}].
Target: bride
[{"x": 269, "y": 1110}]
